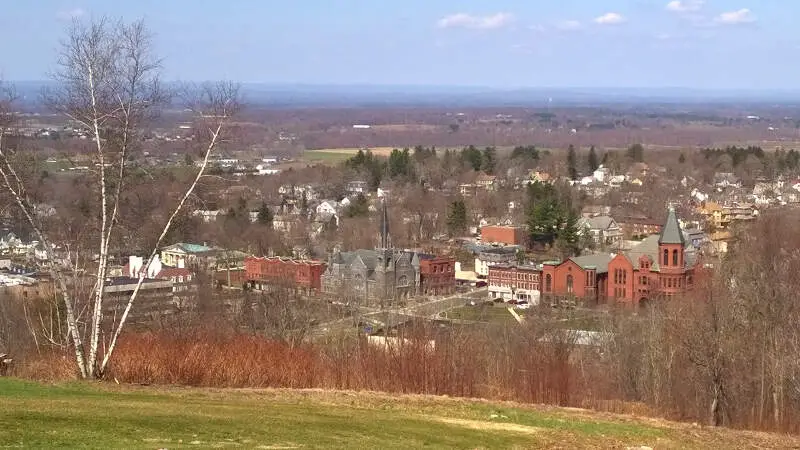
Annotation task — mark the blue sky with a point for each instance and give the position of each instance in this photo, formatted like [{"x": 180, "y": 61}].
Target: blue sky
[{"x": 730, "y": 44}]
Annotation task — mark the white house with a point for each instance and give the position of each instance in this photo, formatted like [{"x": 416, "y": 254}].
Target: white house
[
  {"x": 601, "y": 174},
  {"x": 602, "y": 229},
  {"x": 207, "y": 215},
  {"x": 616, "y": 180},
  {"x": 327, "y": 207}
]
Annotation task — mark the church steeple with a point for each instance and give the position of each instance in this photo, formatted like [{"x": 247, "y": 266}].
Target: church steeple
[
  {"x": 385, "y": 240},
  {"x": 671, "y": 233}
]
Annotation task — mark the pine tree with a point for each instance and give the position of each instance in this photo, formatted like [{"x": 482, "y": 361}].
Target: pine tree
[
  {"x": 593, "y": 164},
  {"x": 572, "y": 161},
  {"x": 489, "y": 160},
  {"x": 682, "y": 159},
  {"x": 265, "y": 214},
  {"x": 636, "y": 153},
  {"x": 457, "y": 218}
]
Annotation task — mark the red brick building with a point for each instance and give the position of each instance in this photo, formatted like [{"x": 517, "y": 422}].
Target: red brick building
[
  {"x": 437, "y": 275},
  {"x": 515, "y": 282},
  {"x": 503, "y": 234},
  {"x": 300, "y": 274},
  {"x": 582, "y": 277},
  {"x": 639, "y": 226},
  {"x": 661, "y": 265}
]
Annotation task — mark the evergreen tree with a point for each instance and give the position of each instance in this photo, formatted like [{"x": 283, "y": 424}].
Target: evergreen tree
[
  {"x": 359, "y": 207},
  {"x": 635, "y": 153},
  {"x": 572, "y": 161},
  {"x": 489, "y": 160},
  {"x": 473, "y": 157},
  {"x": 682, "y": 159},
  {"x": 593, "y": 164},
  {"x": 457, "y": 218},
  {"x": 265, "y": 214},
  {"x": 551, "y": 219}
]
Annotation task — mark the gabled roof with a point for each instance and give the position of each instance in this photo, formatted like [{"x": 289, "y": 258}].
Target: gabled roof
[
  {"x": 597, "y": 262},
  {"x": 597, "y": 222},
  {"x": 671, "y": 233},
  {"x": 189, "y": 248}
]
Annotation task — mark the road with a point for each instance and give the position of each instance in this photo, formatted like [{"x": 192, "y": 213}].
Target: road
[{"x": 429, "y": 309}]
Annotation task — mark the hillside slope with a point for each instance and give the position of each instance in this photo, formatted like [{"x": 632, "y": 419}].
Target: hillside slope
[{"x": 93, "y": 415}]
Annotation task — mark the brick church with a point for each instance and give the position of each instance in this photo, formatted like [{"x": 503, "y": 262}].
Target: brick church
[{"x": 661, "y": 265}]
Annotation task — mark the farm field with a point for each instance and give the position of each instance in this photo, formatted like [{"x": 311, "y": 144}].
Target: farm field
[{"x": 100, "y": 415}]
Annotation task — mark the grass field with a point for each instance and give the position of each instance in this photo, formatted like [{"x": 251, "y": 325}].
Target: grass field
[
  {"x": 480, "y": 313},
  {"x": 338, "y": 155},
  {"x": 92, "y": 415}
]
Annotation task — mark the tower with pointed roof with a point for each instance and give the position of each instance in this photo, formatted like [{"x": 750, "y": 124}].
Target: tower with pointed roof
[
  {"x": 671, "y": 255},
  {"x": 385, "y": 276}
]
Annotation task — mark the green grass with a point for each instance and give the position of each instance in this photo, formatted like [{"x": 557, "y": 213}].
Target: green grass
[
  {"x": 481, "y": 313},
  {"x": 93, "y": 415}
]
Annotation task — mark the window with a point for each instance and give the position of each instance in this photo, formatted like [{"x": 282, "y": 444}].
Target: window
[
  {"x": 675, "y": 258},
  {"x": 616, "y": 276},
  {"x": 624, "y": 277},
  {"x": 548, "y": 283},
  {"x": 569, "y": 283},
  {"x": 666, "y": 257}
]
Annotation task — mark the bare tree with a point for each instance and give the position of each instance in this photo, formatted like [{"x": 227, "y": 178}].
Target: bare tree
[{"x": 108, "y": 84}]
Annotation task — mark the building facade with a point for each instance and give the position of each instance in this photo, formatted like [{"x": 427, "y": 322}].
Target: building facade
[
  {"x": 437, "y": 275},
  {"x": 384, "y": 275},
  {"x": 493, "y": 256},
  {"x": 660, "y": 266},
  {"x": 261, "y": 273},
  {"x": 515, "y": 282},
  {"x": 503, "y": 235}
]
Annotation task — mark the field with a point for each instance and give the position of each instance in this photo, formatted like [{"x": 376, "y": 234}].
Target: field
[
  {"x": 95, "y": 415},
  {"x": 338, "y": 155}
]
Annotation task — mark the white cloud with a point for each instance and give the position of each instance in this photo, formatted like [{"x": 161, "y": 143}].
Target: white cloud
[
  {"x": 71, "y": 14},
  {"x": 611, "y": 18},
  {"x": 738, "y": 17},
  {"x": 684, "y": 6},
  {"x": 569, "y": 25},
  {"x": 464, "y": 20}
]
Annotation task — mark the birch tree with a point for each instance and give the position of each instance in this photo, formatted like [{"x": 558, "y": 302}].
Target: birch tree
[{"x": 108, "y": 84}]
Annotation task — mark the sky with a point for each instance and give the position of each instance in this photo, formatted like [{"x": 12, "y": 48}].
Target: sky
[{"x": 711, "y": 44}]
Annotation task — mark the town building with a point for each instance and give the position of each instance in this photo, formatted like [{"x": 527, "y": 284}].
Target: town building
[
  {"x": 189, "y": 255},
  {"x": 603, "y": 230},
  {"x": 357, "y": 187},
  {"x": 486, "y": 181},
  {"x": 501, "y": 234},
  {"x": 515, "y": 282},
  {"x": 437, "y": 275},
  {"x": 492, "y": 256},
  {"x": 634, "y": 226},
  {"x": 661, "y": 265},
  {"x": 154, "y": 301},
  {"x": 379, "y": 276},
  {"x": 578, "y": 279},
  {"x": 263, "y": 273}
]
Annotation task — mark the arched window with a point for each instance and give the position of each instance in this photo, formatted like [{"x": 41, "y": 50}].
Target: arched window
[
  {"x": 548, "y": 283},
  {"x": 569, "y": 283},
  {"x": 666, "y": 257},
  {"x": 675, "y": 258}
]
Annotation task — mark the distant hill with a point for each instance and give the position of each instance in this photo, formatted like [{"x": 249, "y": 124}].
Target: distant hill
[{"x": 309, "y": 95}]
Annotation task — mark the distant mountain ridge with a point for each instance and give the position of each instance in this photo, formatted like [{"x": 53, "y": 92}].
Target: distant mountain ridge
[{"x": 285, "y": 95}]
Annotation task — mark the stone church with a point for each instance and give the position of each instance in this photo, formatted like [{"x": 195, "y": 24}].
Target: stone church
[{"x": 383, "y": 276}]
